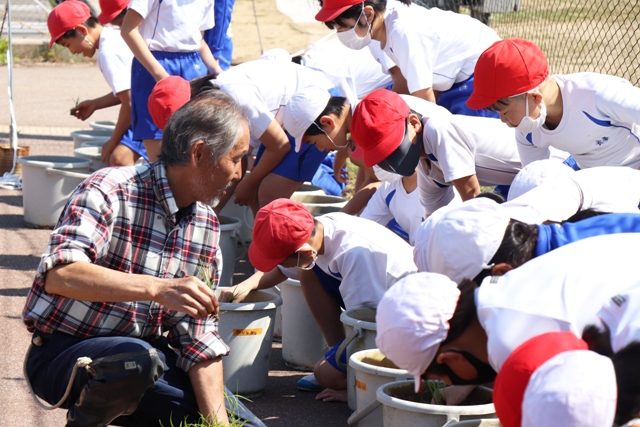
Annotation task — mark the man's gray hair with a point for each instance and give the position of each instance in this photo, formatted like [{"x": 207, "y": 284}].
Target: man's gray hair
[{"x": 212, "y": 116}]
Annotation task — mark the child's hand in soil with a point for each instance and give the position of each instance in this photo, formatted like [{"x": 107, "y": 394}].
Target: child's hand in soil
[
  {"x": 331, "y": 395},
  {"x": 456, "y": 394},
  {"x": 84, "y": 110}
]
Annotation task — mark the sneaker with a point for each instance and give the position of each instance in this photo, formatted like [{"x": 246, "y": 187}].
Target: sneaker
[{"x": 309, "y": 383}]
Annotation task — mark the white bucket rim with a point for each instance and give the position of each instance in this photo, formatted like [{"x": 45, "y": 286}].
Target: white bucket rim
[
  {"x": 291, "y": 282},
  {"x": 273, "y": 303},
  {"x": 475, "y": 423},
  {"x": 93, "y": 152},
  {"x": 427, "y": 408},
  {"x": 346, "y": 318},
  {"x": 102, "y": 124},
  {"x": 91, "y": 133},
  {"x": 97, "y": 142},
  {"x": 355, "y": 361},
  {"x": 324, "y": 199},
  {"x": 58, "y": 162},
  {"x": 233, "y": 224}
]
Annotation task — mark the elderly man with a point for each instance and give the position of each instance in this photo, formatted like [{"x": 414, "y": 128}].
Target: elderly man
[{"x": 120, "y": 284}]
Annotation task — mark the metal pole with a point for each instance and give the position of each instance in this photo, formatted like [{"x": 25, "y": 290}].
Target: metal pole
[{"x": 255, "y": 15}]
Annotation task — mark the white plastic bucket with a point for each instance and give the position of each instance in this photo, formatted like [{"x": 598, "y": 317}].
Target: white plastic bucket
[
  {"x": 303, "y": 344},
  {"x": 96, "y": 143},
  {"x": 47, "y": 183},
  {"x": 320, "y": 204},
  {"x": 308, "y": 189},
  {"x": 478, "y": 423},
  {"x": 277, "y": 328},
  {"x": 360, "y": 331},
  {"x": 103, "y": 125},
  {"x": 372, "y": 370},
  {"x": 398, "y": 410},
  {"x": 80, "y": 136},
  {"x": 229, "y": 228},
  {"x": 248, "y": 329},
  {"x": 244, "y": 214},
  {"x": 92, "y": 153}
]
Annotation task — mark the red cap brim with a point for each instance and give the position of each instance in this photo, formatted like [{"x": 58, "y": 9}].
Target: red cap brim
[
  {"x": 261, "y": 262},
  {"x": 478, "y": 102},
  {"x": 326, "y": 15},
  {"x": 105, "y": 18}
]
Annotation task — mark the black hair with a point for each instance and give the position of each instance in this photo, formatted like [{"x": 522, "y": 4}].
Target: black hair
[
  {"x": 627, "y": 368},
  {"x": 335, "y": 107},
  {"x": 297, "y": 59},
  {"x": 465, "y": 312},
  {"x": 202, "y": 84},
  {"x": 501, "y": 103},
  {"x": 598, "y": 340},
  {"x": 517, "y": 247},
  {"x": 121, "y": 15},
  {"x": 493, "y": 195},
  {"x": 354, "y": 12},
  {"x": 91, "y": 22},
  {"x": 585, "y": 214}
]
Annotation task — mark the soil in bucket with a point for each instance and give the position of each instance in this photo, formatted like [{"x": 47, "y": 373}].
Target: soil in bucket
[
  {"x": 378, "y": 359},
  {"x": 479, "y": 396}
]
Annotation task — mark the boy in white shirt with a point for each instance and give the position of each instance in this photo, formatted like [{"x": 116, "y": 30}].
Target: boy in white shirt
[
  {"x": 72, "y": 26},
  {"x": 593, "y": 117},
  {"x": 345, "y": 261}
]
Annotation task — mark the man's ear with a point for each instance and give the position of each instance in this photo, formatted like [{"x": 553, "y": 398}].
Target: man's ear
[
  {"x": 199, "y": 153},
  {"x": 501, "y": 269}
]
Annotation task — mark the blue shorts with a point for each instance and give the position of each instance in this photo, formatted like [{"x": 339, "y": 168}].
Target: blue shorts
[
  {"x": 135, "y": 146},
  {"x": 330, "y": 357},
  {"x": 455, "y": 100},
  {"x": 188, "y": 65},
  {"x": 300, "y": 166},
  {"x": 330, "y": 284}
]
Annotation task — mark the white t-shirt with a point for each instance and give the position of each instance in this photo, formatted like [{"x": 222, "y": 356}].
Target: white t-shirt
[
  {"x": 264, "y": 87},
  {"x": 367, "y": 257},
  {"x": 380, "y": 57},
  {"x": 173, "y": 25},
  {"x": 621, "y": 314},
  {"x": 114, "y": 60},
  {"x": 600, "y": 123},
  {"x": 606, "y": 188},
  {"x": 356, "y": 70},
  {"x": 562, "y": 290},
  {"x": 434, "y": 48},
  {"x": 459, "y": 146},
  {"x": 391, "y": 202}
]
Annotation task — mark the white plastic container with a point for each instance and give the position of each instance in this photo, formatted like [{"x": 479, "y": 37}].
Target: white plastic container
[
  {"x": 308, "y": 189},
  {"x": 320, "y": 204},
  {"x": 47, "y": 183},
  {"x": 360, "y": 330},
  {"x": 80, "y": 136},
  {"x": 106, "y": 125},
  {"x": 477, "y": 423},
  {"x": 92, "y": 153},
  {"x": 229, "y": 229},
  {"x": 248, "y": 329},
  {"x": 244, "y": 214},
  {"x": 277, "y": 328},
  {"x": 303, "y": 344},
  {"x": 96, "y": 143},
  {"x": 372, "y": 370},
  {"x": 396, "y": 411}
]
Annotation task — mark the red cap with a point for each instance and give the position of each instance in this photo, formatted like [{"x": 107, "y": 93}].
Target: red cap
[
  {"x": 167, "y": 96},
  {"x": 110, "y": 9},
  {"x": 66, "y": 16},
  {"x": 332, "y": 8},
  {"x": 507, "y": 68},
  {"x": 512, "y": 380},
  {"x": 378, "y": 125},
  {"x": 280, "y": 228}
]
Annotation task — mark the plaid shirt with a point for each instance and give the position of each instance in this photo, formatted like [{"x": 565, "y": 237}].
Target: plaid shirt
[{"x": 126, "y": 219}]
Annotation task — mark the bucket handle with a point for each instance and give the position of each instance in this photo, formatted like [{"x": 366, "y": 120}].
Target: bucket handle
[
  {"x": 358, "y": 416},
  {"x": 52, "y": 171},
  {"x": 357, "y": 332},
  {"x": 451, "y": 418}
]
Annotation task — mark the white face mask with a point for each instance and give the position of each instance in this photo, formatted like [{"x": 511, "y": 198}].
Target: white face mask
[
  {"x": 351, "y": 40},
  {"x": 528, "y": 125},
  {"x": 310, "y": 266},
  {"x": 383, "y": 175}
]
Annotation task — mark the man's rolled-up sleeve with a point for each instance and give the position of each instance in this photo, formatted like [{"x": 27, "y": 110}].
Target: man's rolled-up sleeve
[{"x": 196, "y": 340}]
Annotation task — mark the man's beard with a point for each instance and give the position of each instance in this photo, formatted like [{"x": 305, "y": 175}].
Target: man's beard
[{"x": 204, "y": 183}]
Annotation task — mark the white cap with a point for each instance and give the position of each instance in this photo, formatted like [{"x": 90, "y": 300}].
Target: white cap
[
  {"x": 413, "y": 319},
  {"x": 537, "y": 173},
  {"x": 277, "y": 54},
  {"x": 423, "y": 237},
  {"x": 466, "y": 239},
  {"x": 573, "y": 389},
  {"x": 302, "y": 110}
]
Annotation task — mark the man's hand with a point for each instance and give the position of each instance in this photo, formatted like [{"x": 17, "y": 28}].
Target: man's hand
[
  {"x": 245, "y": 193},
  {"x": 84, "y": 110},
  {"x": 107, "y": 149},
  {"x": 187, "y": 295}
]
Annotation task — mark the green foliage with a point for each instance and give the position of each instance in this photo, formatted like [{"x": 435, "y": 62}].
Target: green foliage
[
  {"x": 233, "y": 403},
  {"x": 4, "y": 47},
  {"x": 435, "y": 388}
]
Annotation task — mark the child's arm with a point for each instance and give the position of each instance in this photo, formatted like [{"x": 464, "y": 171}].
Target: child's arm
[
  {"x": 258, "y": 280},
  {"x": 85, "y": 109},
  {"x": 131, "y": 36},
  {"x": 207, "y": 57},
  {"x": 122, "y": 125},
  {"x": 339, "y": 163}
]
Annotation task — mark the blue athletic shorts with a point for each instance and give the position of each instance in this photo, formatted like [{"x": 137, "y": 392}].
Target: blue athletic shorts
[
  {"x": 188, "y": 65},
  {"x": 300, "y": 166},
  {"x": 330, "y": 356},
  {"x": 330, "y": 284},
  {"x": 455, "y": 100},
  {"x": 135, "y": 146}
]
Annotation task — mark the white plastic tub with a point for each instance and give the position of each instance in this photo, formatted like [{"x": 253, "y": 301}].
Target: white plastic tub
[
  {"x": 397, "y": 410},
  {"x": 80, "y": 136},
  {"x": 105, "y": 125},
  {"x": 320, "y": 204},
  {"x": 47, "y": 183},
  {"x": 229, "y": 229},
  {"x": 244, "y": 214},
  {"x": 303, "y": 344},
  {"x": 92, "y": 153},
  {"x": 248, "y": 329},
  {"x": 477, "y": 423}
]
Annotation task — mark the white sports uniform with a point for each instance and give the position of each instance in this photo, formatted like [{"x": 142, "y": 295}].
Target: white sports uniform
[
  {"x": 114, "y": 60},
  {"x": 391, "y": 204},
  {"x": 263, "y": 88},
  {"x": 367, "y": 257},
  {"x": 159, "y": 28},
  {"x": 459, "y": 146},
  {"x": 434, "y": 48},
  {"x": 621, "y": 314},
  {"x": 600, "y": 123},
  {"x": 562, "y": 290},
  {"x": 606, "y": 189},
  {"x": 355, "y": 70}
]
